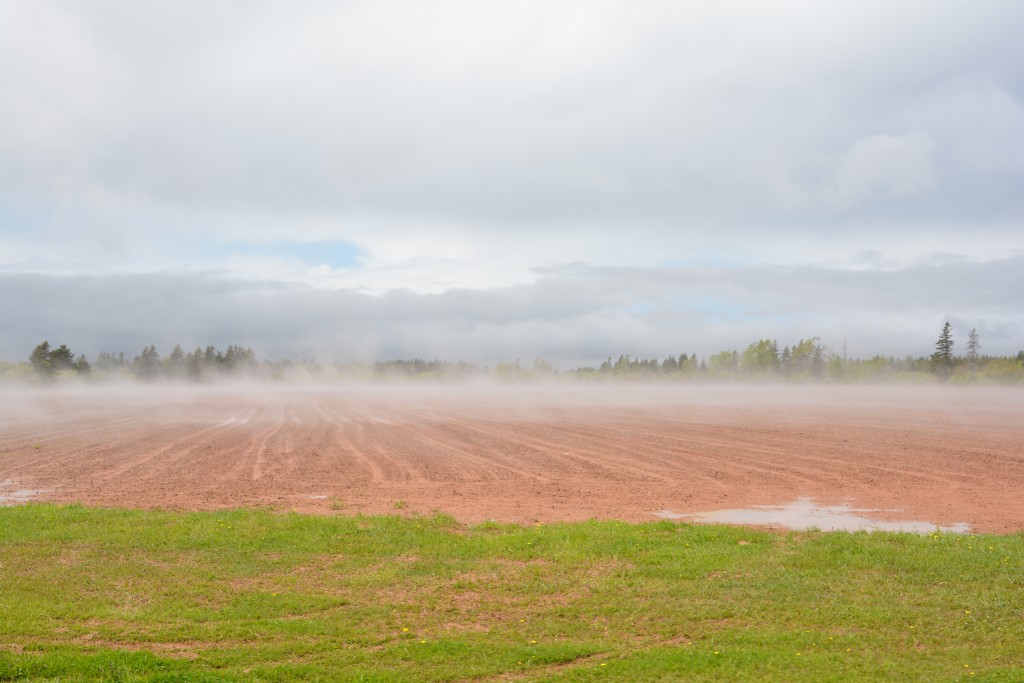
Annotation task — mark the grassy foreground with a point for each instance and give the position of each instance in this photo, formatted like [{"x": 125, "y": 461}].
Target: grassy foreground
[{"x": 99, "y": 594}]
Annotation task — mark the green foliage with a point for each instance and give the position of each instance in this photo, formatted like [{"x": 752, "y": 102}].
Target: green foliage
[
  {"x": 942, "y": 359},
  {"x": 174, "y": 364},
  {"x": 760, "y": 358},
  {"x": 15, "y": 371},
  {"x": 109, "y": 363},
  {"x": 807, "y": 360},
  {"x": 47, "y": 362},
  {"x": 62, "y": 358},
  {"x": 1002, "y": 370},
  {"x": 146, "y": 365},
  {"x": 81, "y": 365},
  {"x": 723, "y": 364},
  {"x": 439, "y": 369},
  {"x": 973, "y": 346},
  {"x": 40, "y": 360}
]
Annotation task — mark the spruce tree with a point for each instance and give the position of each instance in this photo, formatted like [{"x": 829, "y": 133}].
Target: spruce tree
[
  {"x": 40, "y": 360},
  {"x": 973, "y": 344},
  {"x": 146, "y": 365},
  {"x": 942, "y": 359},
  {"x": 62, "y": 358}
]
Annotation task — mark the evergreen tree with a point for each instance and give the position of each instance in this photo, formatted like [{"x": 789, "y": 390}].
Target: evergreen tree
[
  {"x": 48, "y": 362},
  {"x": 146, "y": 365},
  {"x": 212, "y": 361},
  {"x": 176, "y": 363},
  {"x": 40, "y": 360},
  {"x": 973, "y": 344},
  {"x": 61, "y": 358},
  {"x": 82, "y": 366},
  {"x": 942, "y": 359},
  {"x": 238, "y": 359},
  {"x": 688, "y": 364},
  {"x": 194, "y": 365}
]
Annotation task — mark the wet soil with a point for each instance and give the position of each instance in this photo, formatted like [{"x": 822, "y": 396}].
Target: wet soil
[
  {"x": 522, "y": 455},
  {"x": 12, "y": 494},
  {"x": 804, "y": 514}
]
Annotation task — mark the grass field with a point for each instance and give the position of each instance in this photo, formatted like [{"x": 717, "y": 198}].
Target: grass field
[{"x": 109, "y": 594}]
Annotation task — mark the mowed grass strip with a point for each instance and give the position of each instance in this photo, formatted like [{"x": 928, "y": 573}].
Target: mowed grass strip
[{"x": 108, "y": 594}]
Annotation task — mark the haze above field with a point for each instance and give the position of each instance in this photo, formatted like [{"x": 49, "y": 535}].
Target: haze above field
[
  {"x": 523, "y": 453},
  {"x": 72, "y": 401},
  {"x": 481, "y": 182}
]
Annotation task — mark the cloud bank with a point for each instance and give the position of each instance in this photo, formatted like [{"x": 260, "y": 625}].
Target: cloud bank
[{"x": 573, "y": 315}]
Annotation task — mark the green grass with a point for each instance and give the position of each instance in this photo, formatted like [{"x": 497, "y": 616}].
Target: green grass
[{"x": 106, "y": 594}]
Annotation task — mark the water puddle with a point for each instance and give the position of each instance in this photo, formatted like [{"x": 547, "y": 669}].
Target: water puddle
[
  {"x": 9, "y": 495},
  {"x": 804, "y": 514}
]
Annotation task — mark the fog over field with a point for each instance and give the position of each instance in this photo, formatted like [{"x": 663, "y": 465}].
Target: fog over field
[
  {"x": 522, "y": 453},
  {"x": 366, "y": 181},
  {"x": 530, "y": 400}
]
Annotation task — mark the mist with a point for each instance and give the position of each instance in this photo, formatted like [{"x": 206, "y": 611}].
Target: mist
[{"x": 520, "y": 452}]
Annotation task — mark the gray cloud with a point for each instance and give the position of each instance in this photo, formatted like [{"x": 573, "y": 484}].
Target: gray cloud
[
  {"x": 669, "y": 121},
  {"x": 573, "y": 315}
]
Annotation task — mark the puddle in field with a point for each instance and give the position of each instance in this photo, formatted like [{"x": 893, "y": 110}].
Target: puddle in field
[
  {"x": 803, "y": 513},
  {"x": 14, "y": 496}
]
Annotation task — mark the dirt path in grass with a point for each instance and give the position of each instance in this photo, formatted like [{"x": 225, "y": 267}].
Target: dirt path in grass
[{"x": 942, "y": 455}]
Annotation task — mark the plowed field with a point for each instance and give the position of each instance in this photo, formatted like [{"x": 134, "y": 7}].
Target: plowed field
[{"x": 942, "y": 455}]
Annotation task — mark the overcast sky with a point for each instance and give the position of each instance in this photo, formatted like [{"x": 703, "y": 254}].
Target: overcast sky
[{"x": 488, "y": 181}]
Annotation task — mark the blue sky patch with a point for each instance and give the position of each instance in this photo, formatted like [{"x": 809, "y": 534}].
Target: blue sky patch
[{"x": 334, "y": 253}]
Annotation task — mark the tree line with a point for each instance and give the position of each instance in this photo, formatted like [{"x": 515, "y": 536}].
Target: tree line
[
  {"x": 148, "y": 366},
  {"x": 764, "y": 359},
  {"x": 810, "y": 360}
]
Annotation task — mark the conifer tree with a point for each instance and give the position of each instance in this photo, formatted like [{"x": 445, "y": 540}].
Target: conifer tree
[
  {"x": 942, "y": 359},
  {"x": 973, "y": 344},
  {"x": 40, "y": 360}
]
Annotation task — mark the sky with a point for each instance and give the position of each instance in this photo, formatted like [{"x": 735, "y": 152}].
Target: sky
[{"x": 490, "y": 181}]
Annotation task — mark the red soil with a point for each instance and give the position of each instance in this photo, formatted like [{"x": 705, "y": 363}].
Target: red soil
[{"x": 941, "y": 455}]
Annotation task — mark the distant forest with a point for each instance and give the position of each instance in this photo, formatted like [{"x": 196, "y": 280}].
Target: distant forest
[{"x": 763, "y": 360}]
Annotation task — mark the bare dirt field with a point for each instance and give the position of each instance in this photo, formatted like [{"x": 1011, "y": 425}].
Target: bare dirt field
[{"x": 523, "y": 454}]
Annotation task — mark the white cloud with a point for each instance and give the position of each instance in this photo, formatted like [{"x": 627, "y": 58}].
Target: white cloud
[
  {"x": 885, "y": 167},
  {"x": 480, "y": 146}
]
